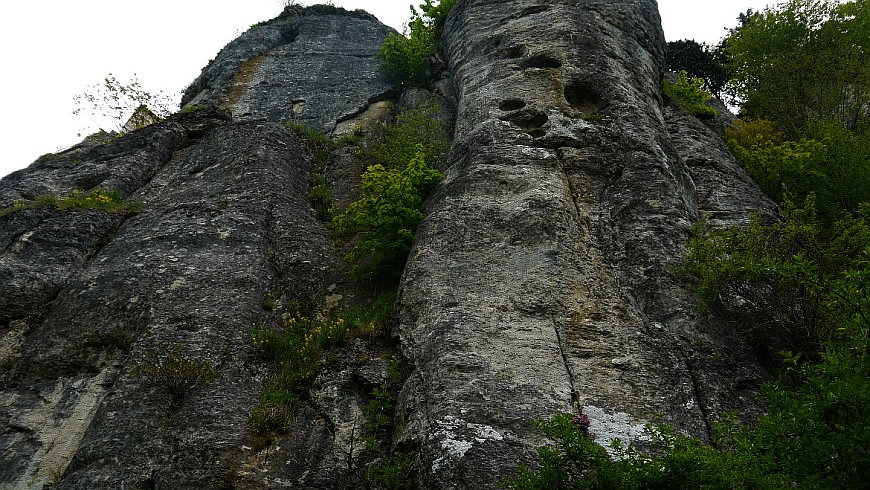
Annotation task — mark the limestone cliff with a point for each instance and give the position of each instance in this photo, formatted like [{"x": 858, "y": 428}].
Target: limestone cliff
[{"x": 542, "y": 279}]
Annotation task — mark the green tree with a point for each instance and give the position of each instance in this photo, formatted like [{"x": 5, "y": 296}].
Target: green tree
[
  {"x": 802, "y": 62},
  {"x": 406, "y": 59},
  {"x": 699, "y": 61}
]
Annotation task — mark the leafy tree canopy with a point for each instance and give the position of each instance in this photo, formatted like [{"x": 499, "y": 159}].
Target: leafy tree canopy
[
  {"x": 803, "y": 62},
  {"x": 698, "y": 61}
]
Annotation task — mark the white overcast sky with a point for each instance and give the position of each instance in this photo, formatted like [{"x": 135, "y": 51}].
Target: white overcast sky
[{"x": 51, "y": 50}]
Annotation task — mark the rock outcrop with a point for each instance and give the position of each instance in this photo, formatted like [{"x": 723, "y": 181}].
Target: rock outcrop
[
  {"x": 307, "y": 65},
  {"x": 542, "y": 280},
  {"x": 543, "y": 277}
]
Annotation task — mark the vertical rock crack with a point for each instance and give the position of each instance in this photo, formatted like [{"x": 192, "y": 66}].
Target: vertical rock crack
[
  {"x": 575, "y": 399},
  {"x": 696, "y": 390}
]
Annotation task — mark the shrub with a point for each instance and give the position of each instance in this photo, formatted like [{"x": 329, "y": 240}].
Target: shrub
[
  {"x": 406, "y": 59},
  {"x": 320, "y": 147},
  {"x": 753, "y": 134},
  {"x": 689, "y": 95},
  {"x": 386, "y": 217},
  {"x": 295, "y": 349},
  {"x": 101, "y": 199},
  {"x": 809, "y": 288},
  {"x": 394, "y": 472},
  {"x": 394, "y": 145},
  {"x": 175, "y": 374},
  {"x": 394, "y": 186}
]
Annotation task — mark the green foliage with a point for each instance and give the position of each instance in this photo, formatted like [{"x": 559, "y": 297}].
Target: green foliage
[
  {"x": 698, "y": 61},
  {"x": 97, "y": 198},
  {"x": 753, "y": 134},
  {"x": 394, "y": 472},
  {"x": 320, "y": 147},
  {"x": 806, "y": 285},
  {"x": 393, "y": 188},
  {"x": 386, "y": 217},
  {"x": 405, "y": 59},
  {"x": 802, "y": 62},
  {"x": 801, "y": 284},
  {"x": 831, "y": 161},
  {"x": 813, "y": 438},
  {"x": 380, "y": 409},
  {"x": 775, "y": 280},
  {"x": 791, "y": 168},
  {"x": 295, "y": 350},
  {"x": 175, "y": 374},
  {"x": 689, "y": 95},
  {"x": 387, "y": 470},
  {"x": 819, "y": 433}
]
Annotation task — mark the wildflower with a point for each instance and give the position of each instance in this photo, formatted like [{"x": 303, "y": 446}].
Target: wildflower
[{"x": 583, "y": 422}]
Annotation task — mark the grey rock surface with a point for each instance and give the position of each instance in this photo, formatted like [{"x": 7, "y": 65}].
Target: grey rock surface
[
  {"x": 90, "y": 296},
  {"x": 311, "y": 65},
  {"x": 542, "y": 280}
]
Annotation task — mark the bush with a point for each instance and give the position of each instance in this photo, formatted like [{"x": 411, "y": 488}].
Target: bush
[
  {"x": 817, "y": 437},
  {"x": 101, "y": 199},
  {"x": 768, "y": 277},
  {"x": 295, "y": 349},
  {"x": 698, "y": 60},
  {"x": 394, "y": 186},
  {"x": 320, "y": 148},
  {"x": 805, "y": 284},
  {"x": 406, "y": 59},
  {"x": 175, "y": 374},
  {"x": 689, "y": 95},
  {"x": 386, "y": 217},
  {"x": 394, "y": 472}
]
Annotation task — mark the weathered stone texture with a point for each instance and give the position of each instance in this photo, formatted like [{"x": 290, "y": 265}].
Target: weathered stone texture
[
  {"x": 314, "y": 68},
  {"x": 224, "y": 223},
  {"x": 542, "y": 280}
]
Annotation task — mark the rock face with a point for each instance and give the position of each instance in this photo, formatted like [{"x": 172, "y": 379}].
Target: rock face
[
  {"x": 89, "y": 296},
  {"x": 542, "y": 279},
  {"x": 302, "y": 66}
]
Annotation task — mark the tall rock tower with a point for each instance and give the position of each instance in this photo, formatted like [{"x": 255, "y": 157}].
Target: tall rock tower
[{"x": 543, "y": 278}]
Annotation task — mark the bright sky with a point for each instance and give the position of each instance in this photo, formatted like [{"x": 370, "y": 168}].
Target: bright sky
[{"x": 53, "y": 50}]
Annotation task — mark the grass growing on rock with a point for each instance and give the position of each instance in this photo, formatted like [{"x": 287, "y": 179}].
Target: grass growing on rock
[
  {"x": 99, "y": 199},
  {"x": 296, "y": 351},
  {"x": 320, "y": 147}
]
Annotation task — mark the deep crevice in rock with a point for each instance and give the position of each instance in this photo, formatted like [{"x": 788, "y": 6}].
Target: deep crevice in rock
[
  {"x": 696, "y": 390},
  {"x": 575, "y": 397}
]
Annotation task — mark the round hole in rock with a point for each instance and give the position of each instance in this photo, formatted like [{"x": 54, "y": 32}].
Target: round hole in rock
[
  {"x": 543, "y": 60},
  {"x": 511, "y": 105},
  {"x": 537, "y": 121},
  {"x": 581, "y": 96}
]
